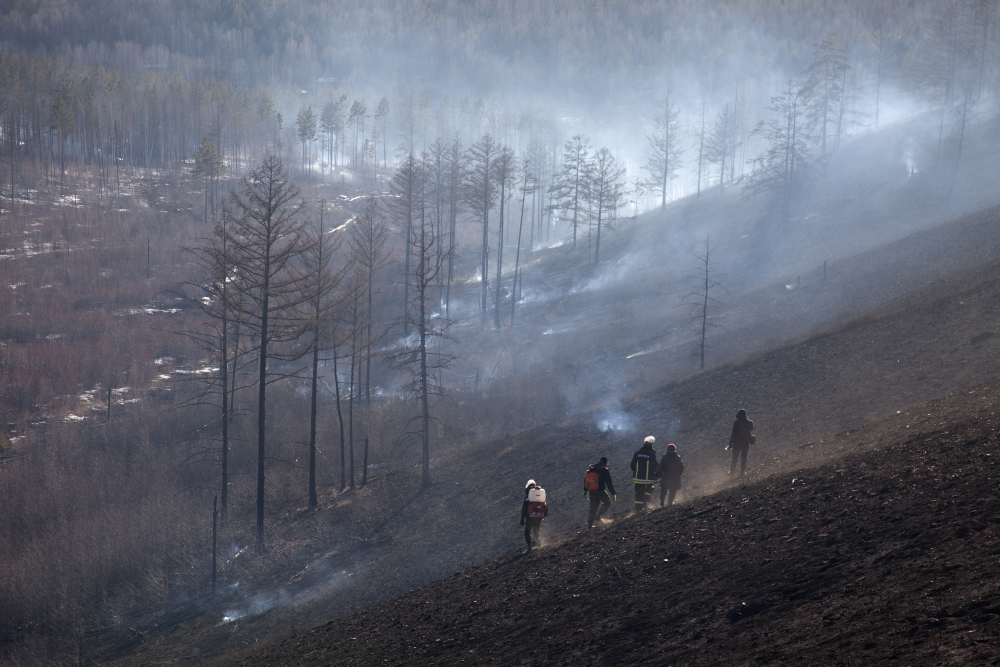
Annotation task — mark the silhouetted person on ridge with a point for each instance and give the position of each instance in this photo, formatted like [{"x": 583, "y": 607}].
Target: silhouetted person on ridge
[
  {"x": 598, "y": 487},
  {"x": 644, "y": 466},
  {"x": 533, "y": 510},
  {"x": 670, "y": 472},
  {"x": 740, "y": 441}
]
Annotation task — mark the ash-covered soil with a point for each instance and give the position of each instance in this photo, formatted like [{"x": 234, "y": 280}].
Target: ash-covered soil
[
  {"x": 372, "y": 544},
  {"x": 878, "y": 546}
]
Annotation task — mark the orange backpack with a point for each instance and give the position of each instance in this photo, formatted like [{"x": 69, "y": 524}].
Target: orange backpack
[{"x": 592, "y": 481}]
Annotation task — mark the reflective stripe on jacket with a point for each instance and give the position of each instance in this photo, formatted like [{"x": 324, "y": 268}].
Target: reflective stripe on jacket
[{"x": 644, "y": 465}]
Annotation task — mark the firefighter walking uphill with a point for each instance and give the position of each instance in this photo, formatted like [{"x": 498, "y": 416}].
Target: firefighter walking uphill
[{"x": 644, "y": 465}]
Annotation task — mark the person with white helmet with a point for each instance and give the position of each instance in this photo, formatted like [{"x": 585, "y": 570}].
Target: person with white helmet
[
  {"x": 533, "y": 510},
  {"x": 644, "y": 465}
]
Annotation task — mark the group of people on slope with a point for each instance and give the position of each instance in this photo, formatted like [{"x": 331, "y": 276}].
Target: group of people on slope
[
  {"x": 599, "y": 489},
  {"x": 646, "y": 470}
]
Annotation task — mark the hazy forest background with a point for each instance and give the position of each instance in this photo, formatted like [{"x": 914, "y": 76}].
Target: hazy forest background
[{"x": 241, "y": 236}]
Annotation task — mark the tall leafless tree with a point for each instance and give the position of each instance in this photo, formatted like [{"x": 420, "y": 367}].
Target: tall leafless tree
[
  {"x": 787, "y": 159},
  {"x": 529, "y": 183},
  {"x": 455, "y": 176},
  {"x": 480, "y": 197},
  {"x": 721, "y": 141},
  {"x": 423, "y": 359},
  {"x": 570, "y": 188},
  {"x": 266, "y": 238},
  {"x": 666, "y": 158},
  {"x": 368, "y": 238},
  {"x": 707, "y": 283},
  {"x": 406, "y": 191},
  {"x": 322, "y": 287},
  {"x": 505, "y": 169},
  {"x": 605, "y": 192}
]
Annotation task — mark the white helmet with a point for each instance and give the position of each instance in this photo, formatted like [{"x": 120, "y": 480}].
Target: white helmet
[
  {"x": 649, "y": 440},
  {"x": 530, "y": 484}
]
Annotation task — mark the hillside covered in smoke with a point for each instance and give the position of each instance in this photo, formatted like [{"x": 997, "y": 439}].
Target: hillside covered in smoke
[{"x": 273, "y": 273}]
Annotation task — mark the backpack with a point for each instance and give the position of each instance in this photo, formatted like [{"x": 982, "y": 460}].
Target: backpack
[
  {"x": 592, "y": 481},
  {"x": 537, "y": 510}
]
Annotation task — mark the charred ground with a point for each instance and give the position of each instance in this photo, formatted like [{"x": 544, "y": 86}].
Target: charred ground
[
  {"x": 825, "y": 567},
  {"x": 881, "y": 554}
]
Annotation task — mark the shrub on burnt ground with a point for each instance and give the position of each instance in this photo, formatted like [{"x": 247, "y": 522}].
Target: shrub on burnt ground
[
  {"x": 100, "y": 524},
  {"x": 499, "y": 407}
]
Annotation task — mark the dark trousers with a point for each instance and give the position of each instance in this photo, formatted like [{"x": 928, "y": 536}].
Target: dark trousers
[
  {"x": 599, "y": 504},
  {"x": 643, "y": 492},
  {"x": 740, "y": 453},
  {"x": 532, "y": 525},
  {"x": 668, "y": 495}
]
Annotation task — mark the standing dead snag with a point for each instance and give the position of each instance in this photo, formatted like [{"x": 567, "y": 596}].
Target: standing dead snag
[
  {"x": 406, "y": 189},
  {"x": 423, "y": 359},
  {"x": 702, "y": 295},
  {"x": 208, "y": 166},
  {"x": 666, "y": 158},
  {"x": 480, "y": 196},
  {"x": 528, "y": 186},
  {"x": 570, "y": 188},
  {"x": 786, "y": 160},
  {"x": 215, "y": 294},
  {"x": 322, "y": 290},
  {"x": 505, "y": 170},
  {"x": 605, "y": 192},
  {"x": 367, "y": 243},
  {"x": 266, "y": 236}
]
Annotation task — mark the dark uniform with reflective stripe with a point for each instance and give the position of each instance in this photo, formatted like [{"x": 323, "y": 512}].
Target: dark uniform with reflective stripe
[{"x": 644, "y": 466}]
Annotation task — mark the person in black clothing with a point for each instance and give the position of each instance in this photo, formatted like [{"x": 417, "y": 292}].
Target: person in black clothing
[
  {"x": 670, "y": 472},
  {"x": 600, "y": 500},
  {"x": 532, "y": 525},
  {"x": 739, "y": 441},
  {"x": 644, "y": 466}
]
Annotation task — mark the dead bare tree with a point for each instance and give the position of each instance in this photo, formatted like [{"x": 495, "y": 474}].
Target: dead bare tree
[
  {"x": 323, "y": 291},
  {"x": 604, "y": 192},
  {"x": 666, "y": 158},
  {"x": 214, "y": 295},
  {"x": 266, "y": 234},
  {"x": 367, "y": 240},
  {"x": 480, "y": 195},
  {"x": 505, "y": 170},
  {"x": 407, "y": 191},
  {"x": 455, "y": 174},
  {"x": 707, "y": 282},
  {"x": 529, "y": 184},
  {"x": 424, "y": 358}
]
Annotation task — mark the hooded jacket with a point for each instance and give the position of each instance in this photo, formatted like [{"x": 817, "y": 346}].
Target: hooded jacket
[
  {"x": 604, "y": 484},
  {"x": 740, "y": 437},
  {"x": 670, "y": 470},
  {"x": 644, "y": 465}
]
